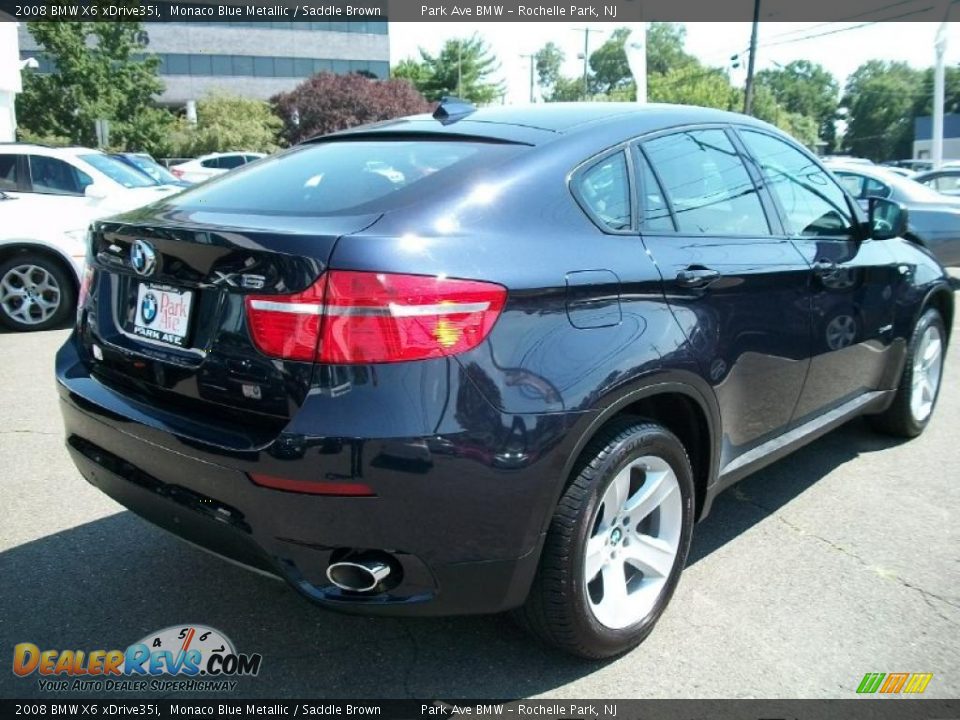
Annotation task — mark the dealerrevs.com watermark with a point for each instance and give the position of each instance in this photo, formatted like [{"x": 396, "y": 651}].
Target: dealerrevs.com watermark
[{"x": 180, "y": 658}]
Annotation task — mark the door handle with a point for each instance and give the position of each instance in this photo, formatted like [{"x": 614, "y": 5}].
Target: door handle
[
  {"x": 697, "y": 277},
  {"x": 824, "y": 267}
]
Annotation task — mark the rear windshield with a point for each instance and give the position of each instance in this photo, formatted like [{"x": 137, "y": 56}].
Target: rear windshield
[{"x": 345, "y": 177}]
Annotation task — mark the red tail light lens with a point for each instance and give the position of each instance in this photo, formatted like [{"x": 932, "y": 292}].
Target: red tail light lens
[
  {"x": 178, "y": 173},
  {"x": 375, "y": 318}
]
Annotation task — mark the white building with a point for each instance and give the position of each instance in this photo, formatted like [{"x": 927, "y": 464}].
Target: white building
[{"x": 9, "y": 80}]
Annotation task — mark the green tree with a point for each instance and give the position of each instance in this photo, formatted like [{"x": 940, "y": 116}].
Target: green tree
[
  {"x": 462, "y": 67},
  {"x": 549, "y": 61},
  {"x": 665, "y": 48},
  {"x": 880, "y": 100},
  {"x": 227, "y": 122},
  {"x": 100, "y": 72},
  {"x": 807, "y": 89},
  {"x": 609, "y": 63},
  {"x": 692, "y": 84},
  {"x": 802, "y": 127}
]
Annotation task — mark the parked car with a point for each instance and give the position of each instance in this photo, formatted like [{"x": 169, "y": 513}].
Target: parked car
[
  {"x": 946, "y": 180},
  {"x": 41, "y": 263},
  {"x": 934, "y": 218},
  {"x": 73, "y": 181},
  {"x": 151, "y": 168},
  {"x": 512, "y": 380},
  {"x": 208, "y": 166}
]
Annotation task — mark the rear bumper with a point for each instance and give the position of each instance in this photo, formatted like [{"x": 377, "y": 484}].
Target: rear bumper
[{"x": 464, "y": 524}]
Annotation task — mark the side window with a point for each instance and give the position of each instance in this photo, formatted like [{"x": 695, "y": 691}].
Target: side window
[
  {"x": 852, "y": 183},
  {"x": 53, "y": 176},
  {"x": 605, "y": 191},
  {"x": 656, "y": 213},
  {"x": 944, "y": 183},
  {"x": 811, "y": 202},
  {"x": 875, "y": 188},
  {"x": 8, "y": 172},
  {"x": 229, "y": 162},
  {"x": 708, "y": 186},
  {"x": 210, "y": 163}
]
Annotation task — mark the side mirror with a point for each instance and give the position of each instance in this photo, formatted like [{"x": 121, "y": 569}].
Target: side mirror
[
  {"x": 887, "y": 219},
  {"x": 95, "y": 192}
]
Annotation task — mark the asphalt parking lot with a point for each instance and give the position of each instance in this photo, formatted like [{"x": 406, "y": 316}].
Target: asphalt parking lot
[{"x": 840, "y": 560}]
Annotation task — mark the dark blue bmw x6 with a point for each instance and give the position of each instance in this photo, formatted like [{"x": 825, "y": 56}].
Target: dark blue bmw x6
[{"x": 492, "y": 360}]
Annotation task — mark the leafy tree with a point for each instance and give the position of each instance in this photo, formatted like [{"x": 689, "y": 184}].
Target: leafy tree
[
  {"x": 101, "y": 72},
  {"x": 225, "y": 123},
  {"x": 462, "y": 68},
  {"x": 326, "y": 103},
  {"x": 765, "y": 107},
  {"x": 805, "y": 88},
  {"x": 548, "y": 61},
  {"x": 609, "y": 63},
  {"x": 880, "y": 99},
  {"x": 692, "y": 84},
  {"x": 665, "y": 48}
]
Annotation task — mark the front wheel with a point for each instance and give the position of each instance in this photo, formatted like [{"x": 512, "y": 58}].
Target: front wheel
[
  {"x": 35, "y": 293},
  {"x": 920, "y": 383},
  {"x": 617, "y": 543}
]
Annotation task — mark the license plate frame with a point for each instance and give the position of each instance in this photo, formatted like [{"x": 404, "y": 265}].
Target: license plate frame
[{"x": 163, "y": 314}]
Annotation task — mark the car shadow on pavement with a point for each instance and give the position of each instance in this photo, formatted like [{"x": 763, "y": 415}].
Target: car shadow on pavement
[{"x": 110, "y": 582}]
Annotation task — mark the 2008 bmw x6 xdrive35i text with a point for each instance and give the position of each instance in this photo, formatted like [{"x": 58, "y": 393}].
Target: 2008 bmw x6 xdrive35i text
[{"x": 492, "y": 360}]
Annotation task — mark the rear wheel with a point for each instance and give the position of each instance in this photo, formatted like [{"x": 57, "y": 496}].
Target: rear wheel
[
  {"x": 35, "y": 293},
  {"x": 916, "y": 397},
  {"x": 617, "y": 543}
]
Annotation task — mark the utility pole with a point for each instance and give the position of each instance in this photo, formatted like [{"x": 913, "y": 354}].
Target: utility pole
[
  {"x": 460, "y": 68},
  {"x": 532, "y": 58},
  {"x": 748, "y": 93},
  {"x": 586, "y": 55},
  {"x": 941, "y": 49}
]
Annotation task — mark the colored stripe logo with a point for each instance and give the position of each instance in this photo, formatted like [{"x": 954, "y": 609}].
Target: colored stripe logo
[{"x": 894, "y": 683}]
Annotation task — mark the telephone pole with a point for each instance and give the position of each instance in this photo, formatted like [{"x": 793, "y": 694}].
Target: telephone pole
[
  {"x": 748, "y": 92},
  {"x": 586, "y": 56},
  {"x": 532, "y": 58}
]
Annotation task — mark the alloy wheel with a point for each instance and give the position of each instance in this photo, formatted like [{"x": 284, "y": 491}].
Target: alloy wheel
[
  {"x": 927, "y": 366},
  {"x": 633, "y": 544},
  {"x": 29, "y": 294}
]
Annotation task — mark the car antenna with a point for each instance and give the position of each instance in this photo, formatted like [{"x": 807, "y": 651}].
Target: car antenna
[{"x": 452, "y": 109}]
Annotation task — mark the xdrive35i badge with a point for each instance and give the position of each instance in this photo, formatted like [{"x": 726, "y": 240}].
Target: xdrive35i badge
[{"x": 143, "y": 258}]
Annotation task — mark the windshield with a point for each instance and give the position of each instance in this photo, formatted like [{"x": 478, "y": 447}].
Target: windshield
[
  {"x": 118, "y": 171},
  {"x": 343, "y": 177},
  {"x": 154, "y": 169}
]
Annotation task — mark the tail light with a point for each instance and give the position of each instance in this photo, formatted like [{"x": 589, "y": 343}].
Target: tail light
[
  {"x": 177, "y": 173},
  {"x": 349, "y": 317},
  {"x": 86, "y": 281}
]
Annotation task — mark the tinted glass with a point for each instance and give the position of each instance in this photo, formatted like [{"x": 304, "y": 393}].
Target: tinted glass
[
  {"x": 154, "y": 169},
  {"x": 707, "y": 184},
  {"x": 334, "y": 177},
  {"x": 606, "y": 191},
  {"x": 8, "y": 172},
  {"x": 656, "y": 215},
  {"x": 875, "y": 188},
  {"x": 210, "y": 163},
  {"x": 811, "y": 202},
  {"x": 944, "y": 183},
  {"x": 228, "y": 162},
  {"x": 852, "y": 183},
  {"x": 50, "y": 175},
  {"x": 118, "y": 171}
]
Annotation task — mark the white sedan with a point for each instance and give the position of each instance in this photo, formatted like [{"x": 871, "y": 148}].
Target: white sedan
[{"x": 208, "y": 166}]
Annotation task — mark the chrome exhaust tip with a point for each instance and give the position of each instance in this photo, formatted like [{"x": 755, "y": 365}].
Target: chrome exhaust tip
[{"x": 359, "y": 574}]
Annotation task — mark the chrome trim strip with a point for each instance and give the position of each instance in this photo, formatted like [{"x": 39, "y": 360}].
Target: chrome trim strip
[
  {"x": 392, "y": 310},
  {"x": 292, "y": 308}
]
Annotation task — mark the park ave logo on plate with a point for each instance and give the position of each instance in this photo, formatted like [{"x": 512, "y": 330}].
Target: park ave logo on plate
[{"x": 199, "y": 657}]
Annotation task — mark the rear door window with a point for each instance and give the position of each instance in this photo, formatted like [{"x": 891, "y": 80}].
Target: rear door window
[
  {"x": 228, "y": 162},
  {"x": 707, "y": 184},
  {"x": 348, "y": 176},
  {"x": 8, "y": 172}
]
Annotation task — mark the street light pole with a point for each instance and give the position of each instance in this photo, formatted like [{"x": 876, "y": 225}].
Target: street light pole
[
  {"x": 940, "y": 44},
  {"x": 748, "y": 92},
  {"x": 586, "y": 55},
  {"x": 532, "y": 58}
]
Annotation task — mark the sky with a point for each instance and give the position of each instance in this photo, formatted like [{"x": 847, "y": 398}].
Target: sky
[{"x": 840, "y": 47}]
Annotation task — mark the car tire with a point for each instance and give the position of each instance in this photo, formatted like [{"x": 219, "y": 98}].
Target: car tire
[
  {"x": 569, "y": 606},
  {"x": 920, "y": 382},
  {"x": 36, "y": 292}
]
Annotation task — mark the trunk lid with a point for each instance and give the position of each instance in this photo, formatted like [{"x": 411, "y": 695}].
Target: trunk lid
[{"x": 166, "y": 321}]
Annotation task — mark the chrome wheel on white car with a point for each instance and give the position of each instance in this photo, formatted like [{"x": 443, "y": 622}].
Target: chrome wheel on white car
[
  {"x": 34, "y": 293},
  {"x": 633, "y": 547}
]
